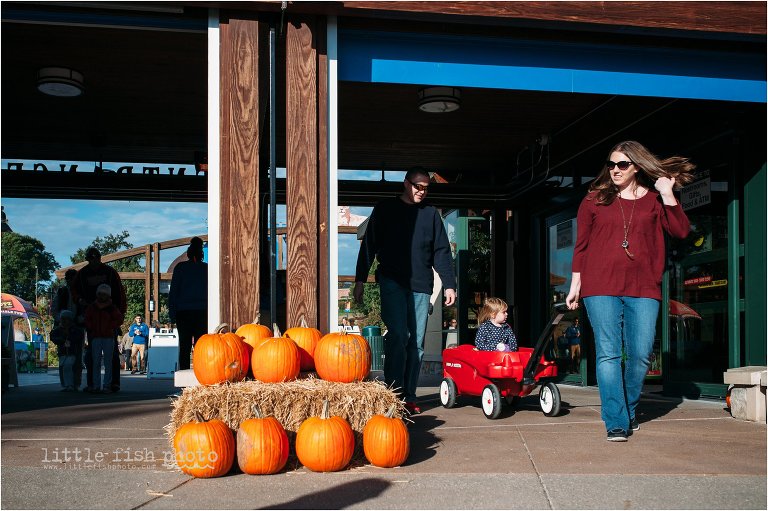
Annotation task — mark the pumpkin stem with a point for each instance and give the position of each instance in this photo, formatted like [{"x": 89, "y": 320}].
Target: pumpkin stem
[
  {"x": 391, "y": 412},
  {"x": 258, "y": 317},
  {"x": 199, "y": 416},
  {"x": 275, "y": 330},
  {"x": 257, "y": 412},
  {"x": 303, "y": 322},
  {"x": 222, "y": 328},
  {"x": 326, "y": 407}
]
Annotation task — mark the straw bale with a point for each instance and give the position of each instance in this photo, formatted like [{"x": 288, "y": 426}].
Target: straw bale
[{"x": 291, "y": 403}]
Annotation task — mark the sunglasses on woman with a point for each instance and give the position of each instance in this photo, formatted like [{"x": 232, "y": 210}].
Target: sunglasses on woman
[{"x": 623, "y": 165}]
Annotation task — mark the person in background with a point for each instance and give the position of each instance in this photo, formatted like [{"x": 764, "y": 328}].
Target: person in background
[
  {"x": 493, "y": 332},
  {"x": 188, "y": 300},
  {"x": 453, "y": 324},
  {"x": 140, "y": 332},
  {"x": 405, "y": 276},
  {"x": 102, "y": 319},
  {"x": 63, "y": 299},
  {"x": 126, "y": 347},
  {"x": 618, "y": 261},
  {"x": 344, "y": 327},
  {"x": 68, "y": 338},
  {"x": 83, "y": 288},
  {"x": 573, "y": 334}
]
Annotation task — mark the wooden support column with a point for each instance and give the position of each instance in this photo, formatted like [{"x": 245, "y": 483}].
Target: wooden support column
[
  {"x": 307, "y": 225},
  {"x": 156, "y": 286},
  {"x": 147, "y": 280},
  {"x": 242, "y": 123}
]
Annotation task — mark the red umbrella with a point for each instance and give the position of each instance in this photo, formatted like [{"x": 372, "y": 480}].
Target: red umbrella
[
  {"x": 15, "y": 306},
  {"x": 682, "y": 310}
]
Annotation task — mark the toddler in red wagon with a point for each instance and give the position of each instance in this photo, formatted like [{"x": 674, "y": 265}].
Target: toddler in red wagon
[{"x": 493, "y": 332}]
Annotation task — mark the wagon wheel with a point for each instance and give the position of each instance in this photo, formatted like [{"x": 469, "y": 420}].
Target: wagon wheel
[
  {"x": 448, "y": 393},
  {"x": 549, "y": 399},
  {"x": 491, "y": 401}
]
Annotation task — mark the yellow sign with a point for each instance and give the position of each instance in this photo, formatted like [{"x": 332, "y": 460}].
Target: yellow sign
[{"x": 714, "y": 283}]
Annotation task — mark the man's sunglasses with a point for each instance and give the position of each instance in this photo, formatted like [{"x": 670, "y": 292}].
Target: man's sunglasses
[
  {"x": 623, "y": 165},
  {"x": 419, "y": 187}
]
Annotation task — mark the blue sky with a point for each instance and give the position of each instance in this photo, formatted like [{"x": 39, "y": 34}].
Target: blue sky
[{"x": 65, "y": 225}]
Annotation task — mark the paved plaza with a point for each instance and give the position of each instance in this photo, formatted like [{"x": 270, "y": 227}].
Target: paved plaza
[{"x": 686, "y": 455}]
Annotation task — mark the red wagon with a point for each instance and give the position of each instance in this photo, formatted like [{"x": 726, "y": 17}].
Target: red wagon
[{"x": 502, "y": 375}]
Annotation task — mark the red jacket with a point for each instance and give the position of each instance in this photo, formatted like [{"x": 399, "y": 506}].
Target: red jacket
[{"x": 102, "y": 320}]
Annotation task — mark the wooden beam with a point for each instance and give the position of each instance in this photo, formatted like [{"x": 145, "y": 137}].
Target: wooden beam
[
  {"x": 147, "y": 279},
  {"x": 241, "y": 129},
  {"x": 730, "y": 17},
  {"x": 156, "y": 280},
  {"x": 302, "y": 170},
  {"x": 323, "y": 187}
]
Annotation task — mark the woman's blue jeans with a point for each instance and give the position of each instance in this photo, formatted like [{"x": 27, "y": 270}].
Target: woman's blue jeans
[
  {"x": 405, "y": 314},
  {"x": 629, "y": 322}
]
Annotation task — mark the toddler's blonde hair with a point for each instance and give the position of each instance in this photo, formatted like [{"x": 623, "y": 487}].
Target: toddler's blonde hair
[{"x": 491, "y": 307}]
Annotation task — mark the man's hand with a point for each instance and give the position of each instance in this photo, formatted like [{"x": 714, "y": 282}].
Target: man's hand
[
  {"x": 357, "y": 292},
  {"x": 450, "y": 297}
]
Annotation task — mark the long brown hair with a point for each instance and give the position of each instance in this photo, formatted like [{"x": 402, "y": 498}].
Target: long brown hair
[
  {"x": 650, "y": 168},
  {"x": 491, "y": 307}
]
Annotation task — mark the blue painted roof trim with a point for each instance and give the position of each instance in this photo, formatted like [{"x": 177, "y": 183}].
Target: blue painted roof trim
[{"x": 385, "y": 57}]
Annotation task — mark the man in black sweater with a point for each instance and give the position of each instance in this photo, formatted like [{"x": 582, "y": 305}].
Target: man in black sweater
[{"x": 408, "y": 238}]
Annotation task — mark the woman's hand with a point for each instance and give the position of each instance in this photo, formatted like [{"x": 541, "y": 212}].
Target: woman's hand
[
  {"x": 665, "y": 187},
  {"x": 572, "y": 300}
]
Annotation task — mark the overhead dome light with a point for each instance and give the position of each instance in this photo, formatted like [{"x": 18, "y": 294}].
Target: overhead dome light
[
  {"x": 60, "y": 81},
  {"x": 439, "y": 100}
]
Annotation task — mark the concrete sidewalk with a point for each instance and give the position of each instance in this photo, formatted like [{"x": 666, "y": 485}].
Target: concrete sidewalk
[{"x": 687, "y": 455}]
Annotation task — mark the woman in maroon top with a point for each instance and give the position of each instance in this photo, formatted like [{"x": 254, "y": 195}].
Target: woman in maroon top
[{"x": 618, "y": 262}]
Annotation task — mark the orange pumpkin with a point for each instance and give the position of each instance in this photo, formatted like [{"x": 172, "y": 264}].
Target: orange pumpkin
[
  {"x": 254, "y": 333},
  {"x": 219, "y": 357},
  {"x": 262, "y": 445},
  {"x": 342, "y": 357},
  {"x": 325, "y": 443},
  {"x": 276, "y": 359},
  {"x": 385, "y": 440},
  {"x": 306, "y": 339},
  {"x": 204, "y": 448}
]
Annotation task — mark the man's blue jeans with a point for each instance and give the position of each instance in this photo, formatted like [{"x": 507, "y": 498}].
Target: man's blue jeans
[
  {"x": 405, "y": 313},
  {"x": 617, "y": 321}
]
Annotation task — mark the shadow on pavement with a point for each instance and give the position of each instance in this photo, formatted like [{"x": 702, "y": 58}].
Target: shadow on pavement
[
  {"x": 338, "y": 497},
  {"x": 49, "y": 396}
]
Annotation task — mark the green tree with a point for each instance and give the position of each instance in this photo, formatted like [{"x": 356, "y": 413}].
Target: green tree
[
  {"x": 25, "y": 262},
  {"x": 134, "y": 289},
  {"x": 371, "y": 306}
]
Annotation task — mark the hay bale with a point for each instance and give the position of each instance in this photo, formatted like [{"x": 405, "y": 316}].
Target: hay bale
[{"x": 291, "y": 403}]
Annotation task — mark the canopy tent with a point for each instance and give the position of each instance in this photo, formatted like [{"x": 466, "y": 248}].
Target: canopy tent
[{"x": 18, "y": 315}]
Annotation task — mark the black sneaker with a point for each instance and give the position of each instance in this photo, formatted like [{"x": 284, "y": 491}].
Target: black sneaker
[
  {"x": 617, "y": 435},
  {"x": 633, "y": 424}
]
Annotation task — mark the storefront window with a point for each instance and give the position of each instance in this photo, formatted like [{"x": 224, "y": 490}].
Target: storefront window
[{"x": 699, "y": 285}]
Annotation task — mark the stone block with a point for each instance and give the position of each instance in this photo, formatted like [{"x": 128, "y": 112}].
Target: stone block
[{"x": 748, "y": 394}]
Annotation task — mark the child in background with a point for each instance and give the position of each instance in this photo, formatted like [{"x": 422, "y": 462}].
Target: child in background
[
  {"x": 102, "y": 318},
  {"x": 493, "y": 332},
  {"x": 69, "y": 338}
]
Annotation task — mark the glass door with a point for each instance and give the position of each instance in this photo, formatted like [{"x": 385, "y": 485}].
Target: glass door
[{"x": 700, "y": 280}]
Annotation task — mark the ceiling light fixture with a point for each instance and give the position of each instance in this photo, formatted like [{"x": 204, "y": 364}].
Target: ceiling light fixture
[
  {"x": 60, "y": 81},
  {"x": 439, "y": 99}
]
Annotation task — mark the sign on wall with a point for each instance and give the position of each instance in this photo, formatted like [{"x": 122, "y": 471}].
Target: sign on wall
[{"x": 696, "y": 194}]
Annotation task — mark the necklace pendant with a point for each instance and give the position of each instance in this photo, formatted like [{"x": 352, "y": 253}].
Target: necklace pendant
[{"x": 624, "y": 244}]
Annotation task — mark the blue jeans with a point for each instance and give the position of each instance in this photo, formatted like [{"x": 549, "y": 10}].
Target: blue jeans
[
  {"x": 617, "y": 321},
  {"x": 105, "y": 346},
  {"x": 405, "y": 313}
]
